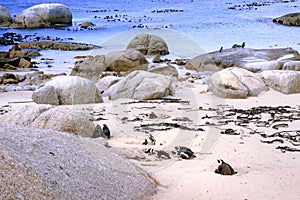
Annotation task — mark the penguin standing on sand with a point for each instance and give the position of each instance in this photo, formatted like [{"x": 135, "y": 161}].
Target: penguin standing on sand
[{"x": 106, "y": 131}]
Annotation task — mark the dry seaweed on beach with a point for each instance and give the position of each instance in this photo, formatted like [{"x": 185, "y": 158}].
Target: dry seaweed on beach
[{"x": 165, "y": 125}]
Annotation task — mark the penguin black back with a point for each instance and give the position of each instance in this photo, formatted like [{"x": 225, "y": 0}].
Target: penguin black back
[
  {"x": 106, "y": 131},
  {"x": 224, "y": 168}
]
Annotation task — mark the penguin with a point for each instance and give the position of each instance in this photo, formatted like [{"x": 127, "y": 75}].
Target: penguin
[
  {"x": 243, "y": 45},
  {"x": 152, "y": 139},
  {"x": 183, "y": 152},
  {"x": 145, "y": 142},
  {"x": 220, "y": 49},
  {"x": 98, "y": 132},
  {"x": 150, "y": 151},
  {"x": 162, "y": 154},
  {"x": 224, "y": 168},
  {"x": 106, "y": 131}
]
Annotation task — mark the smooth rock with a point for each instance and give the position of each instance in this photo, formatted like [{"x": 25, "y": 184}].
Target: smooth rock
[
  {"x": 167, "y": 70},
  {"x": 284, "y": 81},
  {"x": 236, "y": 83},
  {"x": 75, "y": 90},
  {"x": 47, "y": 164},
  {"x": 106, "y": 82},
  {"x": 66, "y": 120},
  {"x": 292, "y": 19},
  {"x": 43, "y": 16},
  {"x": 45, "y": 95},
  {"x": 123, "y": 61},
  {"x": 242, "y": 57},
  {"x": 86, "y": 25},
  {"x": 149, "y": 44},
  {"x": 5, "y": 17},
  {"x": 292, "y": 65},
  {"x": 90, "y": 68},
  {"x": 25, "y": 63},
  {"x": 142, "y": 85}
]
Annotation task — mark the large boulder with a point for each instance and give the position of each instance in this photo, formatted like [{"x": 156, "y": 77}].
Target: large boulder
[
  {"x": 45, "y": 116},
  {"x": 236, "y": 83},
  {"x": 149, "y": 44},
  {"x": 292, "y": 65},
  {"x": 43, "y": 16},
  {"x": 106, "y": 82},
  {"x": 90, "y": 68},
  {"x": 142, "y": 85},
  {"x": 284, "y": 81},
  {"x": 68, "y": 90},
  {"x": 5, "y": 17},
  {"x": 251, "y": 59},
  {"x": 47, "y": 164},
  {"x": 292, "y": 19},
  {"x": 45, "y": 95},
  {"x": 167, "y": 70},
  {"x": 123, "y": 61}
]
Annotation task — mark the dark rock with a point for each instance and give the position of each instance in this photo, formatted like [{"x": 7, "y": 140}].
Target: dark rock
[{"x": 292, "y": 19}]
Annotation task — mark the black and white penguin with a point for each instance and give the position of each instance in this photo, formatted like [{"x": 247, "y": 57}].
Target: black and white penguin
[
  {"x": 224, "y": 168},
  {"x": 162, "y": 155},
  {"x": 106, "y": 131},
  {"x": 244, "y": 44},
  {"x": 145, "y": 142},
  {"x": 221, "y": 49},
  {"x": 152, "y": 139}
]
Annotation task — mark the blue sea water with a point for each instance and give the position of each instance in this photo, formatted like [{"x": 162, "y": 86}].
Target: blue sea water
[{"x": 209, "y": 23}]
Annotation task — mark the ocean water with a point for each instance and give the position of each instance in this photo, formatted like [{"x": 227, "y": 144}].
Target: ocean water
[{"x": 201, "y": 25}]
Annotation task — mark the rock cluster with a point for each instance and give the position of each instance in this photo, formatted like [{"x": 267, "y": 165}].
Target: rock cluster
[
  {"x": 29, "y": 81},
  {"x": 54, "y": 45},
  {"x": 16, "y": 58}
]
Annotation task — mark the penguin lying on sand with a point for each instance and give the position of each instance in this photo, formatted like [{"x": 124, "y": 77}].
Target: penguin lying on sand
[{"x": 224, "y": 168}]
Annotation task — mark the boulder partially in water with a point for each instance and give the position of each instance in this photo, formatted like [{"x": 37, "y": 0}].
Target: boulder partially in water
[
  {"x": 43, "y": 16},
  {"x": 292, "y": 19},
  {"x": 5, "y": 17},
  {"x": 250, "y": 59}
]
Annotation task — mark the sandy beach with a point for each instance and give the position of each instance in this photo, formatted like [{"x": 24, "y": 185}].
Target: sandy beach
[
  {"x": 263, "y": 150},
  {"x": 264, "y": 172}
]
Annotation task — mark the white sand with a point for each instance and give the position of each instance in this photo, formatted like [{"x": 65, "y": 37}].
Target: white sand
[{"x": 264, "y": 172}]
